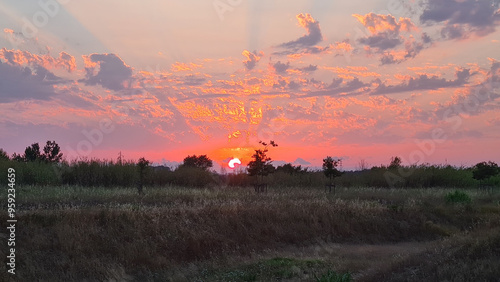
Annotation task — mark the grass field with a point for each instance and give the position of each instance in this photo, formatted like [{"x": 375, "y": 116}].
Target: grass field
[{"x": 233, "y": 234}]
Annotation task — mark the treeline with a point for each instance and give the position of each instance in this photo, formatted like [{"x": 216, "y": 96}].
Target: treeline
[
  {"x": 105, "y": 173},
  {"x": 47, "y": 167}
]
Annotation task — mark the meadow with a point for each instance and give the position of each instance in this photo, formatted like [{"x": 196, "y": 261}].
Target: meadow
[{"x": 231, "y": 233}]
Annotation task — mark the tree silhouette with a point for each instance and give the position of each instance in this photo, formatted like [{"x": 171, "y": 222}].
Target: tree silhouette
[
  {"x": 17, "y": 157},
  {"x": 3, "y": 155},
  {"x": 261, "y": 165},
  {"x": 395, "y": 163},
  {"x": 143, "y": 165},
  {"x": 290, "y": 169},
  {"x": 32, "y": 153},
  {"x": 52, "y": 152},
  {"x": 330, "y": 170},
  {"x": 202, "y": 162},
  {"x": 485, "y": 170}
]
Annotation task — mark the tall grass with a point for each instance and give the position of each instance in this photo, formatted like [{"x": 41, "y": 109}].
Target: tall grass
[{"x": 80, "y": 233}]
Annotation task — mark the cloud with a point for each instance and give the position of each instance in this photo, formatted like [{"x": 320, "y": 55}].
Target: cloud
[
  {"x": 193, "y": 80},
  {"x": 387, "y": 34},
  {"x": 312, "y": 37},
  {"x": 309, "y": 68},
  {"x": 107, "y": 70},
  {"x": 177, "y": 67},
  {"x": 339, "y": 86},
  {"x": 252, "y": 58},
  {"x": 22, "y": 83},
  {"x": 301, "y": 161},
  {"x": 279, "y": 67},
  {"x": 22, "y": 58},
  {"x": 464, "y": 16},
  {"x": 475, "y": 99},
  {"x": 424, "y": 82}
]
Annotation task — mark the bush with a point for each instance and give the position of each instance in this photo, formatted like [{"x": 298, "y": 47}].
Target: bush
[{"x": 458, "y": 197}]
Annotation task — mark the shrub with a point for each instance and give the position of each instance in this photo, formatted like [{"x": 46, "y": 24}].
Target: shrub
[{"x": 458, "y": 197}]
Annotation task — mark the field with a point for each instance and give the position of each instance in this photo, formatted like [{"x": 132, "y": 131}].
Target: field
[{"x": 72, "y": 233}]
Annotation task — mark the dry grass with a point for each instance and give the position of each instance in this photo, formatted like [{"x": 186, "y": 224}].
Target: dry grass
[{"x": 72, "y": 233}]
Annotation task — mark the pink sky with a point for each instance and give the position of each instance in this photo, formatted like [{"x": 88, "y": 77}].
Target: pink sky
[{"x": 353, "y": 80}]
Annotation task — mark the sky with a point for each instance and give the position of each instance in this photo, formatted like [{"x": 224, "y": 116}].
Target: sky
[{"x": 359, "y": 80}]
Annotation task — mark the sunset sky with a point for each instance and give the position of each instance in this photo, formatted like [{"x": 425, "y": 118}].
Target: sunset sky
[{"x": 359, "y": 80}]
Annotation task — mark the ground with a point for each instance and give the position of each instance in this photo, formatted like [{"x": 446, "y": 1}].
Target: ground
[{"x": 234, "y": 234}]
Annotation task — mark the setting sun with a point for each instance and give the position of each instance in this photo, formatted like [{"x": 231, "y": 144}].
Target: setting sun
[{"x": 232, "y": 163}]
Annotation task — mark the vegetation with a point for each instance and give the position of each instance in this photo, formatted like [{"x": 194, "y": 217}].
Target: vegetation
[
  {"x": 73, "y": 233},
  {"x": 485, "y": 170},
  {"x": 83, "y": 220},
  {"x": 458, "y": 197},
  {"x": 201, "y": 162},
  {"x": 261, "y": 165}
]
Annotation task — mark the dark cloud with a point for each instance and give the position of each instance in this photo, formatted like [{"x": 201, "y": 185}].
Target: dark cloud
[
  {"x": 279, "y": 67},
  {"x": 476, "y": 99},
  {"x": 112, "y": 74},
  {"x": 192, "y": 80},
  {"x": 312, "y": 37},
  {"x": 387, "y": 34},
  {"x": 336, "y": 82},
  {"x": 293, "y": 85},
  {"x": 381, "y": 41},
  {"x": 388, "y": 59},
  {"x": 351, "y": 87},
  {"x": 309, "y": 68},
  {"x": 22, "y": 83},
  {"x": 252, "y": 59},
  {"x": 453, "y": 31},
  {"x": 426, "y": 38},
  {"x": 424, "y": 82},
  {"x": 478, "y": 16}
]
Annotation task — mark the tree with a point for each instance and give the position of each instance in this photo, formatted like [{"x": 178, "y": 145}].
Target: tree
[
  {"x": 3, "y": 155},
  {"x": 362, "y": 165},
  {"x": 17, "y": 157},
  {"x": 203, "y": 162},
  {"x": 52, "y": 152},
  {"x": 32, "y": 153},
  {"x": 143, "y": 165},
  {"x": 290, "y": 169},
  {"x": 395, "y": 163},
  {"x": 261, "y": 165},
  {"x": 330, "y": 170},
  {"x": 485, "y": 170}
]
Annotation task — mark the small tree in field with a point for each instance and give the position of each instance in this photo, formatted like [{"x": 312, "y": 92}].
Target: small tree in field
[
  {"x": 261, "y": 165},
  {"x": 330, "y": 170},
  {"x": 143, "y": 165},
  {"x": 485, "y": 170}
]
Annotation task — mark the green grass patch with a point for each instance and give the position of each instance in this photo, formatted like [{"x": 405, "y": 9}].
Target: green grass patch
[
  {"x": 274, "y": 269},
  {"x": 458, "y": 197}
]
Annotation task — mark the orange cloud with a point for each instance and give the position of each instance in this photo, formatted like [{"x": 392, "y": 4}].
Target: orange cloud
[
  {"x": 252, "y": 58},
  {"x": 177, "y": 67},
  {"x": 23, "y": 58},
  {"x": 376, "y": 23}
]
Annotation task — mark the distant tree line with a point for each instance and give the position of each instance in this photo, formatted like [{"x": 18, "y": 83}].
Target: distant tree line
[{"x": 46, "y": 166}]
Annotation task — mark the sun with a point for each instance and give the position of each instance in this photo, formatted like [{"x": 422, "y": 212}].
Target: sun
[{"x": 233, "y": 162}]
